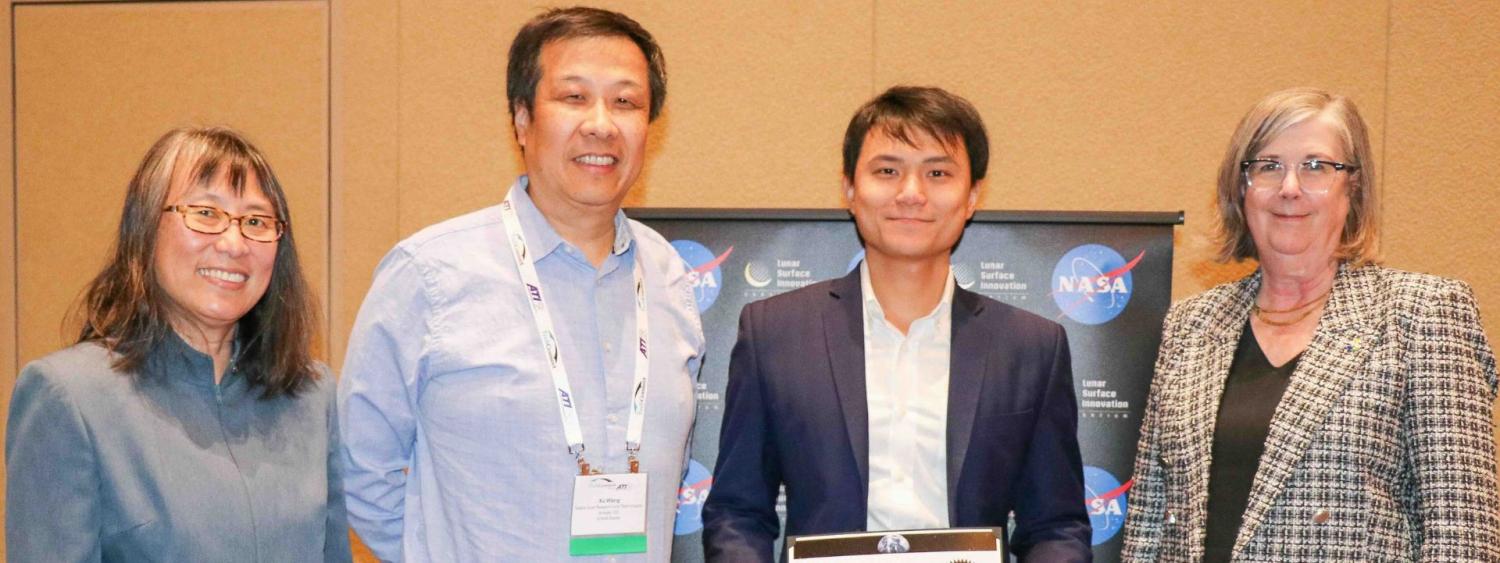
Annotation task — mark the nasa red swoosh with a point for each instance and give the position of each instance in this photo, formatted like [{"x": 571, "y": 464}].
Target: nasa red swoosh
[
  {"x": 711, "y": 264},
  {"x": 1120, "y": 490},
  {"x": 700, "y": 485},
  {"x": 1122, "y": 270}
]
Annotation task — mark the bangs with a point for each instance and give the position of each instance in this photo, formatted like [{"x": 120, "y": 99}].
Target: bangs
[
  {"x": 209, "y": 156},
  {"x": 237, "y": 168},
  {"x": 907, "y": 128}
]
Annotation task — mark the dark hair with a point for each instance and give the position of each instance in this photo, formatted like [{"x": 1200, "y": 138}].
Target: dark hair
[
  {"x": 525, "y": 66},
  {"x": 934, "y": 111},
  {"x": 126, "y": 310}
]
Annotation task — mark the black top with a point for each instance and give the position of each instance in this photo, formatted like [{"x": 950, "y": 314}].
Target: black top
[{"x": 1251, "y": 394}]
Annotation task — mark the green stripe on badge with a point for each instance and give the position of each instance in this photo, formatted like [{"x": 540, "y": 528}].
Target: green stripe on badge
[{"x": 606, "y": 545}]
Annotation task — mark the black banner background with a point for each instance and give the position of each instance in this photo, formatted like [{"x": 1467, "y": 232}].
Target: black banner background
[{"x": 1114, "y": 325}]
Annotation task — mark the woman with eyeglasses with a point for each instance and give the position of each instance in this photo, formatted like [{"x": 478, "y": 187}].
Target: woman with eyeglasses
[
  {"x": 190, "y": 421},
  {"x": 1324, "y": 408}
]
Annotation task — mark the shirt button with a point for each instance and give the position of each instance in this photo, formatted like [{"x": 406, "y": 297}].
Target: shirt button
[
  {"x": 614, "y": 419},
  {"x": 1321, "y": 517},
  {"x": 607, "y": 347}
]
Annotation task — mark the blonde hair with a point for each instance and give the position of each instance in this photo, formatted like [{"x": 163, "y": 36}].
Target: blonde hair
[{"x": 1359, "y": 243}]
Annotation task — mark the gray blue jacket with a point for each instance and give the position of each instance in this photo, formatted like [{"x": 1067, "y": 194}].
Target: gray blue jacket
[{"x": 167, "y": 465}]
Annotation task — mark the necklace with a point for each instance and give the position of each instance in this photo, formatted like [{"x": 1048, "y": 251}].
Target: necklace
[{"x": 1262, "y": 313}]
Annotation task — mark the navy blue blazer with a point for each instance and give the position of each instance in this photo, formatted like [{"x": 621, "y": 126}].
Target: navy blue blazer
[{"x": 795, "y": 414}]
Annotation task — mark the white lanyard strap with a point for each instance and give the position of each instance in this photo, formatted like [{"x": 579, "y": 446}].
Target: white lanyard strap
[{"x": 550, "y": 344}]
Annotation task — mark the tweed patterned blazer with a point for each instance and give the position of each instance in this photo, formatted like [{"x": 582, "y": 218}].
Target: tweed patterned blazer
[{"x": 1382, "y": 448}]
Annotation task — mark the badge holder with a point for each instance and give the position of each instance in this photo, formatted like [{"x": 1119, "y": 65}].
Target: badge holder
[{"x": 609, "y": 511}]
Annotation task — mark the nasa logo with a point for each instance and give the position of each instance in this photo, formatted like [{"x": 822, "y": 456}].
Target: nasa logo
[
  {"x": 690, "y": 497},
  {"x": 1092, "y": 283},
  {"x": 703, "y": 271},
  {"x": 757, "y": 274},
  {"x": 1105, "y": 500},
  {"x": 963, "y": 275}
]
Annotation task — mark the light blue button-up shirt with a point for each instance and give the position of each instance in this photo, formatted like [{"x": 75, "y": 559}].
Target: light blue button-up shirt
[{"x": 454, "y": 448}]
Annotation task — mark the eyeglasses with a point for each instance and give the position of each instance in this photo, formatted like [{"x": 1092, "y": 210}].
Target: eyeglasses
[
  {"x": 212, "y": 221},
  {"x": 1313, "y": 176}
]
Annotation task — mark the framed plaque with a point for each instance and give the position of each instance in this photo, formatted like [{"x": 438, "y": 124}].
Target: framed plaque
[{"x": 960, "y": 545}]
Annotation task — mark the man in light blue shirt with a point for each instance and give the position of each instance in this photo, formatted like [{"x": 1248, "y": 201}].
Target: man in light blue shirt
[{"x": 459, "y": 385}]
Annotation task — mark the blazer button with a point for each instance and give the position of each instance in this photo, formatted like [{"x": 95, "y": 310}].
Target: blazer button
[{"x": 1320, "y": 517}]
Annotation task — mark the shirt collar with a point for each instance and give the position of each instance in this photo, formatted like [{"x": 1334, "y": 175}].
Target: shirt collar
[
  {"x": 873, "y": 310},
  {"x": 173, "y": 357},
  {"x": 540, "y": 235}
]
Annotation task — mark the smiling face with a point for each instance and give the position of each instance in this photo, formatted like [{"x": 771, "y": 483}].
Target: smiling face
[
  {"x": 211, "y": 281},
  {"x": 910, "y": 201},
  {"x": 1288, "y": 222},
  {"x": 584, "y": 138}
]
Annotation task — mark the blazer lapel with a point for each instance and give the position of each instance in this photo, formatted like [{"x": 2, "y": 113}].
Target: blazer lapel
[
  {"x": 1201, "y": 392},
  {"x": 967, "y": 355},
  {"x": 1339, "y": 348},
  {"x": 844, "y": 329}
]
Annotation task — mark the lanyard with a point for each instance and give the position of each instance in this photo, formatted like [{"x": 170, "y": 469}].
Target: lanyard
[{"x": 550, "y": 344}]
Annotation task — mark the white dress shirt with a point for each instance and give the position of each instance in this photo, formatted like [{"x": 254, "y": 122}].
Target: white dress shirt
[{"x": 906, "y": 387}]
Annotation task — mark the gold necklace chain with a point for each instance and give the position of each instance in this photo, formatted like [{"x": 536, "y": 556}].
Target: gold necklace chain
[{"x": 1261, "y": 313}]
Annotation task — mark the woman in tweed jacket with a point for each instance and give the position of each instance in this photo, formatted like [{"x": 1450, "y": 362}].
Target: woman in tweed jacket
[{"x": 1324, "y": 408}]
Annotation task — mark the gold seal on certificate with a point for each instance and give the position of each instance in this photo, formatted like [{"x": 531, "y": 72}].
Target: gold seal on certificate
[{"x": 969, "y": 545}]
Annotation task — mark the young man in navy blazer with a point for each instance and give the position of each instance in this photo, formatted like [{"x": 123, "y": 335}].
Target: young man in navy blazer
[{"x": 890, "y": 399}]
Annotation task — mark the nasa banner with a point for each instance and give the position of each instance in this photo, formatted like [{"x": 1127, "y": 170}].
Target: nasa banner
[{"x": 1106, "y": 277}]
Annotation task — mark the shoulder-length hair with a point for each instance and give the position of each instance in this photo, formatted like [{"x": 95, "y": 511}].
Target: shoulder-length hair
[
  {"x": 124, "y": 307},
  {"x": 1359, "y": 243}
]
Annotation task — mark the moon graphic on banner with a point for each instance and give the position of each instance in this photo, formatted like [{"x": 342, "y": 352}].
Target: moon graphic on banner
[
  {"x": 754, "y": 271},
  {"x": 963, "y": 274}
]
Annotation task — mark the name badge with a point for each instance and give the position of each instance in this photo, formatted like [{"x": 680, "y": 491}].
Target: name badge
[{"x": 609, "y": 514}]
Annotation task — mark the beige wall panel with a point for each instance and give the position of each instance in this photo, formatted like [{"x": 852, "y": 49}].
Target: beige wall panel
[
  {"x": 8, "y": 365},
  {"x": 456, "y": 151},
  {"x": 1124, "y": 106},
  {"x": 96, "y": 84},
  {"x": 1442, "y": 207},
  {"x": 365, "y": 150},
  {"x": 760, "y": 95},
  {"x": 758, "y": 98}
]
